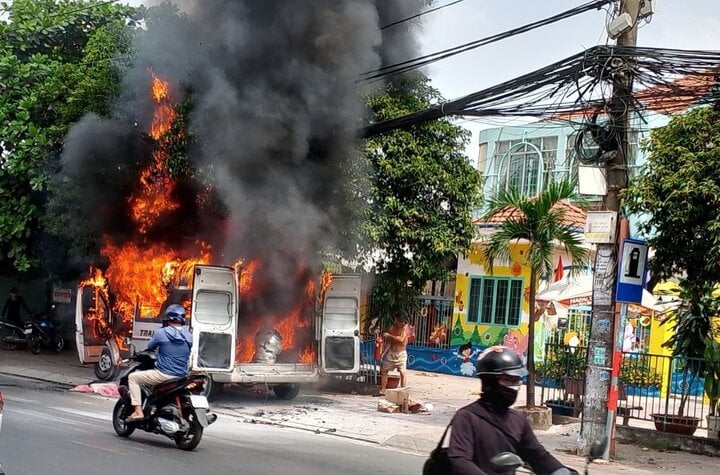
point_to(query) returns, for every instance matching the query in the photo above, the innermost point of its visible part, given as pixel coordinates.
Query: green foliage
(679, 188)
(421, 194)
(56, 63)
(562, 362)
(712, 375)
(636, 371)
(692, 321)
(542, 223)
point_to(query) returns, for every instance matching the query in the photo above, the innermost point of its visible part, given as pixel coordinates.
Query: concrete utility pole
(604, 317)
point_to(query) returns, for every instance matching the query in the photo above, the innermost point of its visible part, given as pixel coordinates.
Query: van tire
(286, 391)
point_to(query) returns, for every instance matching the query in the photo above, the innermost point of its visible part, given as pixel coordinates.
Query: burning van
(234, 342)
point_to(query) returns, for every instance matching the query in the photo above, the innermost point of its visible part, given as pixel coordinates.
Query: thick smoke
(275, 109)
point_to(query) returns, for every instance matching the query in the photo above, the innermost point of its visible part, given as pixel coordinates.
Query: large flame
(141, 273)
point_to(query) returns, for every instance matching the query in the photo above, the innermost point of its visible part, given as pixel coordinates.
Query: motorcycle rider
(173, 343)
(485, 428)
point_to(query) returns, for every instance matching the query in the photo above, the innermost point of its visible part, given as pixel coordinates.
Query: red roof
(574, 215)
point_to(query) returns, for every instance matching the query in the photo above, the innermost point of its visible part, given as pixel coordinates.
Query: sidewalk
(356, 417)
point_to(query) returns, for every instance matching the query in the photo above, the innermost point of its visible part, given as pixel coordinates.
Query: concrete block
(398, 396)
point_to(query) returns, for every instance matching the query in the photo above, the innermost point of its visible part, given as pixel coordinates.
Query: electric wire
(418, 15)
(415, 63)
(581, 87)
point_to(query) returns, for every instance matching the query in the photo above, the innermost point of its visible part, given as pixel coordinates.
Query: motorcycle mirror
(507, 461)
(598, 448)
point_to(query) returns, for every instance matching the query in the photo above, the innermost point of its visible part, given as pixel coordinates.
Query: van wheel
(286, 391)
(211, 389)
(105, 367)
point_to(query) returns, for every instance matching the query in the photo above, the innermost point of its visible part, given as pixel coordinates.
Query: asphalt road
(47, 430)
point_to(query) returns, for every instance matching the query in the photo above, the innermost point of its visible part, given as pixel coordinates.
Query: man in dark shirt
(12, 307)
(488, 426)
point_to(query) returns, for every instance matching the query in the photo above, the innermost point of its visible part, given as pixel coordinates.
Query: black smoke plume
(275, 107)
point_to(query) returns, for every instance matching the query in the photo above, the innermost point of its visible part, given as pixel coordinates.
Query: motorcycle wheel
(57, 343)
(120, 412)
(191, 438)
(5, 334)
(33, 342)
(105, 368)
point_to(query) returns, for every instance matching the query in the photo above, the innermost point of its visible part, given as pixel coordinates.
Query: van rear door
(214, 318)
(340, 325)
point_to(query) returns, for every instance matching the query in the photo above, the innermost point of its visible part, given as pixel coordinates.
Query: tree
(678, 190)
(57, 61)
(422, 192)
(542, 224)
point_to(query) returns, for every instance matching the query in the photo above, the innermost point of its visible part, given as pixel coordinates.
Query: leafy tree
(56, 63)
(422, 192)
(542, 224)
(679, 189)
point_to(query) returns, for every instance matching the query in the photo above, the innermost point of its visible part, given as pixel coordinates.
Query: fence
(651, 387)
(430, 323)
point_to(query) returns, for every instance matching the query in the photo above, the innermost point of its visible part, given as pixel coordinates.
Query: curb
(39, 379)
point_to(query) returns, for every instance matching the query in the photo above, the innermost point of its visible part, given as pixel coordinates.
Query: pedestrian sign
(631, 271)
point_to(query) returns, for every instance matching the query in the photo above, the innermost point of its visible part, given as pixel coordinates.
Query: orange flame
(140, 274)
(157, 186)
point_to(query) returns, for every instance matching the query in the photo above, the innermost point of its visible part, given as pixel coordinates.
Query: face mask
(501, 396)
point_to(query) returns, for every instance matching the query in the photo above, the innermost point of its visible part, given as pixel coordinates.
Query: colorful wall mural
(468, 339)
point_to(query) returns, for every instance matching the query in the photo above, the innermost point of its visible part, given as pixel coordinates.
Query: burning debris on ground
(231, 142)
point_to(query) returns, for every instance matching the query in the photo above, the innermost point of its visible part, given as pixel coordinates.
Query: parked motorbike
(44, 332)
(509, 462)
(13, 336)
(176, 409)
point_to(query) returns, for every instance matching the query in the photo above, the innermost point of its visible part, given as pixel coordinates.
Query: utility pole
(604, 320)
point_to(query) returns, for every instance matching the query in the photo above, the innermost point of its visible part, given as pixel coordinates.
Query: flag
(559, 271)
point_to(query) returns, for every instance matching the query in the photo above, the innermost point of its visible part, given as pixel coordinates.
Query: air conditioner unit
(620, 25)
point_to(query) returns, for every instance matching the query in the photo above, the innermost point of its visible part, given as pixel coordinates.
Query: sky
(679, 24)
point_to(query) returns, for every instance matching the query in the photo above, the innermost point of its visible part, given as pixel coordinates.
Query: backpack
(438, 463)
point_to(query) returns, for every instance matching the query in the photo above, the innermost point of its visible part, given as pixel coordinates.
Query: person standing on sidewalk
(485, 428)
(396, 357)
(173, 343)
(12, 307)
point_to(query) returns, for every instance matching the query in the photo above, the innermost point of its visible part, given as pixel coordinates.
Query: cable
(416, 63)
(420, 14)
(583, 84)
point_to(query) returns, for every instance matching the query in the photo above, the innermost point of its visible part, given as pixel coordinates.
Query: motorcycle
(12, 336)
(508, 462)
(44, 332)
(176, 409)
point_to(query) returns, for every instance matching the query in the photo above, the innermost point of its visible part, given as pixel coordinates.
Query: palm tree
(540, 222)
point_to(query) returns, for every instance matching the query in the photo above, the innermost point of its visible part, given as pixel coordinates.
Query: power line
(420, 14)
(418, 62)
(578, 87)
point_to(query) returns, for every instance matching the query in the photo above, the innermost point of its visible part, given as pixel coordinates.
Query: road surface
(47, 430)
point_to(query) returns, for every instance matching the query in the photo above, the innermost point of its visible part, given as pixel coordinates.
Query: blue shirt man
(173, 343)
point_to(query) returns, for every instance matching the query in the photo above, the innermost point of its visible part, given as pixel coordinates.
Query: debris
(103, 389)
(386, 406)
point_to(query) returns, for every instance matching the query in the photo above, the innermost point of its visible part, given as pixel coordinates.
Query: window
(495, 301)
(520, 165)
(213, 308)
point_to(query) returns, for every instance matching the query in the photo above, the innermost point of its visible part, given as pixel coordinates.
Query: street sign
(631, 271)
(600, 227)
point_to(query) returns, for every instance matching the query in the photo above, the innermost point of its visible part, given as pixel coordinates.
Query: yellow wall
(474, 265)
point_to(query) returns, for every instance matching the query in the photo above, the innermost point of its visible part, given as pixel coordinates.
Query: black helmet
(175, 313)
(499, 360)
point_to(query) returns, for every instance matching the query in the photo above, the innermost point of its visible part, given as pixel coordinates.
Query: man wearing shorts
(396, 357)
